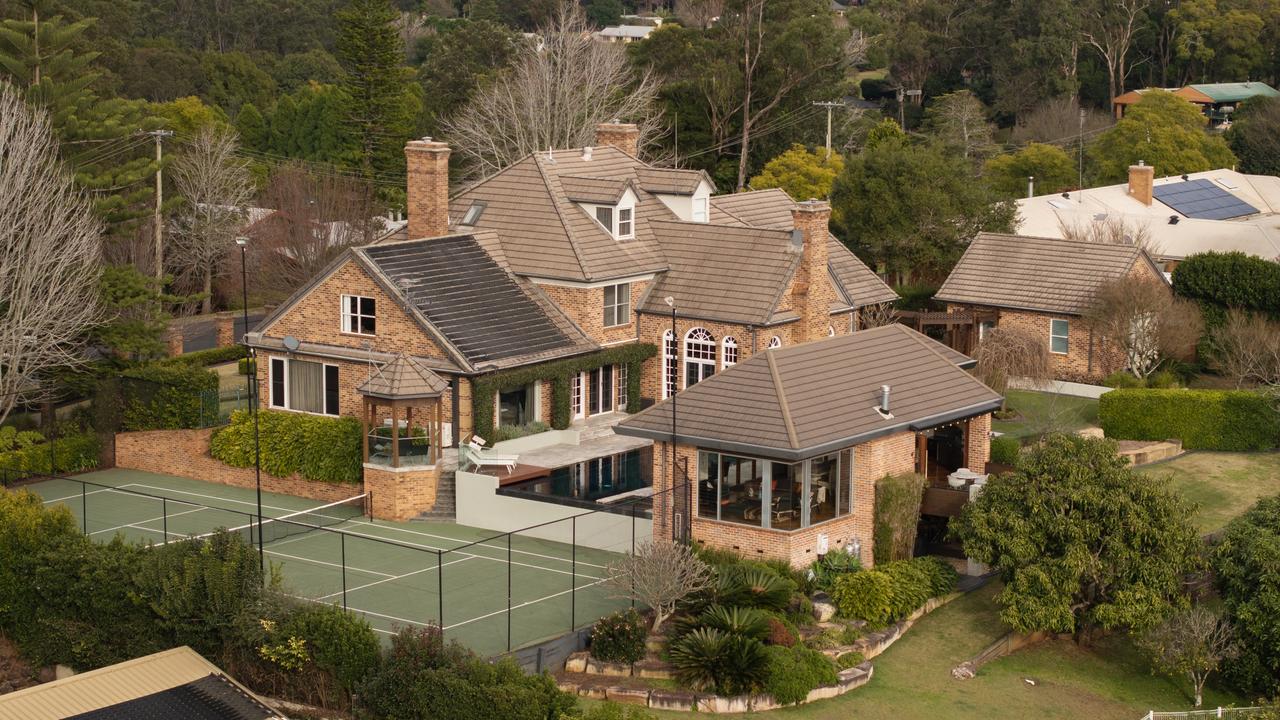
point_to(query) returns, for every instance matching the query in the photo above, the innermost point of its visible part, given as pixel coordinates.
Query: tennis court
(390, 572)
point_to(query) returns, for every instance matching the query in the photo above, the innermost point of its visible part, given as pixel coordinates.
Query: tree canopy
(1053, 170)
(1164, 131)
(801, 172)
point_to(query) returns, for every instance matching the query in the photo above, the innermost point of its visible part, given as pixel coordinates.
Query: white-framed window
(604, 216)
(699, 356)
(626, 223)
(303, 385)
(617, 304)
(775, 342)
(600, 389)
(668, 364)
(359, 315)
(700, 209)
(1058, 331)
(623, 395)
(729, 351)
(576, 399)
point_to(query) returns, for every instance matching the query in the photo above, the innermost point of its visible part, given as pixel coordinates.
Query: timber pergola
(401, 386)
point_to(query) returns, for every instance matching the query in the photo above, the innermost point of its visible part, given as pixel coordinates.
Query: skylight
(473, 214)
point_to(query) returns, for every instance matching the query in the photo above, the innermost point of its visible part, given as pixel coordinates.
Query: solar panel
(1202, 199)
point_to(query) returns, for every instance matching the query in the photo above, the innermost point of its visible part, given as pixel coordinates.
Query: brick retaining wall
(185, 453)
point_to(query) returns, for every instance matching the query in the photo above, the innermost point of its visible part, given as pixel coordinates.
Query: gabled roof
(479, 307)
(403, 379)
(546, 234)
(669, 181)
(818, 397)
(600, 191)
(1040, 274)
(1234, 92)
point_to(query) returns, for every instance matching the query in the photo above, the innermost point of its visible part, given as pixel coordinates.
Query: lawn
(913, 680)
(1040, 412)
(1222, 484)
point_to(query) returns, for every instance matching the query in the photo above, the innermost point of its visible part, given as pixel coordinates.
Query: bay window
(770, 494)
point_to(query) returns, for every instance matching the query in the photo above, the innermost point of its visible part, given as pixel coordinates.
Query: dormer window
(626, 223)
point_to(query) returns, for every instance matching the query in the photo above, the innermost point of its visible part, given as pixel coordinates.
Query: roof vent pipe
(586, 153)
(884, 398)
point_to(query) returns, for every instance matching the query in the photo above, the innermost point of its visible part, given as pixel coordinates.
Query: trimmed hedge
(169, 396)
(1230, 280)
(327, 449)
(245, 366)
(70, 454)
(559, 374)
(205, 358)
(1235, 420)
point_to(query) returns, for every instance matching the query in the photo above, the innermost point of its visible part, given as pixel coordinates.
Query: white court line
(404, 530)
(154, 519)
(393, 578)
(523, 604)
(78, 495)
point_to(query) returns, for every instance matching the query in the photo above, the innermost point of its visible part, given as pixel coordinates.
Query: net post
(573, 575)
(164, 513)
(342, 538)
(440, 591)
(509, 592)
(84, 510)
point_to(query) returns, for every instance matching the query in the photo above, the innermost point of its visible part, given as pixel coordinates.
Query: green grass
(912, 680)
(1040, 412)
(1222, 484)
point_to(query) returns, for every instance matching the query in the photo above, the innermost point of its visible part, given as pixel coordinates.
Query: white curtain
(306, 386)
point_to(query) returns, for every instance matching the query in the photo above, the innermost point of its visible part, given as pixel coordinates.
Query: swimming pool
(585, 484)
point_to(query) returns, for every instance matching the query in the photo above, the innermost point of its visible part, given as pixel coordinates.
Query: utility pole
(159, 136)
(902, 118)
(829, 106)
(1081, 152)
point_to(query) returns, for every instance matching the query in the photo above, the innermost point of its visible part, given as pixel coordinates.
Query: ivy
(559, 374)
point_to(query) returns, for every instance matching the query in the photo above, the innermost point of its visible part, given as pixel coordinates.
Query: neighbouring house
(1217, 100)
(564, 291)
(1045, 286)
(176, 683)
(624, 33)
(1215, 210)
(778, 456)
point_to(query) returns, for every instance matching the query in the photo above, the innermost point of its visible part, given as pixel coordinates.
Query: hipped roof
(810, 399)
(403, 379)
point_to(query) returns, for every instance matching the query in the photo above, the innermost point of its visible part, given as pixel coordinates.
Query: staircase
(446, 499)
(597, 426)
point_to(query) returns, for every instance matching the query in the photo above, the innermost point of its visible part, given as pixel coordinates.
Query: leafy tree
(603, 13)
(233, 79)
(802, 173)
(1244, 563)
(161, 72)
(188, 115)
(1041, 53)
(959, 121)
(1052, 169)
(1218, 41)
(380, 100)
(135, 317)
(1254, 136)
(1081, 540)
(1164, 131)
(283, 120)
(252, 128)
(461, 57)
(910, 208)
(297, 70)
(886, 130)
(314, 127)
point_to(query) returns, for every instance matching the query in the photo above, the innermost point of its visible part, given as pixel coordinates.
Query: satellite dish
(291, 343)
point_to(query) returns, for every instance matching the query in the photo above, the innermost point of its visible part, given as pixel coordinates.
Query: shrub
(848, 660)
(339, 642)
(866, 595)
(168, 396)
(1005, 450)
(1231, 279)
(11, 438)
(831, 566)
(849, 635)
(613, 711)
(511, 432)
(1233, 420)
(742, 621)
(327, 449)
(910, 586)
(753, 586)
(1122, 379)
(897, 515)
(711, 659)
(1164, 380)
(894, 590)
(205, 358)
(619, 637)
(246, 367)
(791, 673)
(1244, 564)
(781, 633)
(69, 454)
(942, 576)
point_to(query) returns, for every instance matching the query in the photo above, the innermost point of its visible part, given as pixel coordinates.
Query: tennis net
(297, 523)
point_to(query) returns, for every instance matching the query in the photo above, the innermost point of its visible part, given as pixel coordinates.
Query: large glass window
(358, 315)
(785, 496)
(600, 389)
(699, 356)
(782, 496)
(617, 304)
(517, 407)
(730, 488)
(1058, 331)
(304, 385)
(824, 486)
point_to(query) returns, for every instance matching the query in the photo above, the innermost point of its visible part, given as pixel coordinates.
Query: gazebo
(397, 389)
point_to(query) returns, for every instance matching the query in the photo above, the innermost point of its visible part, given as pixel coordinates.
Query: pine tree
(380, 101)
(37, 56)
(252, 128)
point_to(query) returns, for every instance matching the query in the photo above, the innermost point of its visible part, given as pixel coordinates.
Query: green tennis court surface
(393, 572)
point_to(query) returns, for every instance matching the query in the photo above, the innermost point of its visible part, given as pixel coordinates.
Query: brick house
(1045, 286)
(813, 427)
(540, 294)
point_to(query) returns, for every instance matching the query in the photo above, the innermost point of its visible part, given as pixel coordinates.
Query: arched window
(699, 356)
(831, 331)
(668, 364)
(729, 350)
(775, 342)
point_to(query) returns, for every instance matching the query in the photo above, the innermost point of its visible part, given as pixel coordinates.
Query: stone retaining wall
(185, 453)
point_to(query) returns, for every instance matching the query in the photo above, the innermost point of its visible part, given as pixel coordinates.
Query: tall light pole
(243, 242)
(675, 374)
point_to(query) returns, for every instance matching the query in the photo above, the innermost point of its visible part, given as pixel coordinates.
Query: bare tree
(1011, 352)
(216, 186)
(1145, 322)
(699, 13)
(318, 214)
(50, 247)
(1192, 644)
(1058, 121)
(1247, 348)
(1111, 230)
(1109, 27)
(959, 120)
(874, 316)
(659, 574)
(558, 89)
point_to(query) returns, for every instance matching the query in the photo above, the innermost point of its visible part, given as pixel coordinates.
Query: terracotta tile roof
(817, 397)
(668, 181)
(403, 379)
(1030, 273)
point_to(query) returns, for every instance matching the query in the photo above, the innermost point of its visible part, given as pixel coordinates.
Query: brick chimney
(428, 188)
(624, 136)
(811, 290)
(1142, 178)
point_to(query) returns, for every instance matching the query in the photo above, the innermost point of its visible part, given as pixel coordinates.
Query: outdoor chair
(479, 457)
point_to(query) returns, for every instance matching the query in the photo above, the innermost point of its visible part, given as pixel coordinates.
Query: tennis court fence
(1230, 713)
(492, 592)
